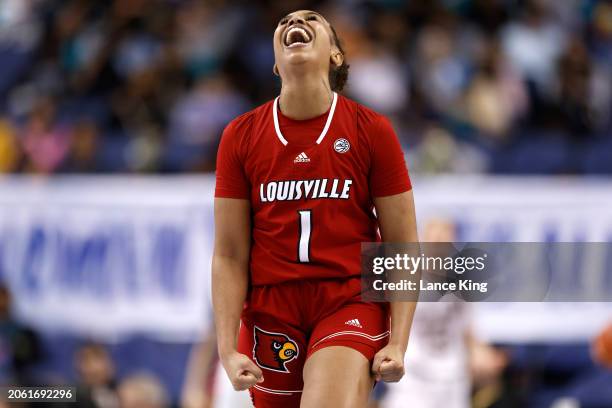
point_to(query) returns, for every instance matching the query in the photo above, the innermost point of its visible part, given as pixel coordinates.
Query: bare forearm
(229, 290)
(398, 224)
(401, 321)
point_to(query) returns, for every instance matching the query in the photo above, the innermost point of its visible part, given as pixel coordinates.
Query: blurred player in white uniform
(198, 392)
(437, 373)
(442, 356)
(224, 394)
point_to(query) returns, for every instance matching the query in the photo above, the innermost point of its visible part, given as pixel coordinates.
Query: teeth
(301, 31)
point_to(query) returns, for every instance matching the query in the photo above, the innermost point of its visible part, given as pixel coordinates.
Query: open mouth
(297, 36)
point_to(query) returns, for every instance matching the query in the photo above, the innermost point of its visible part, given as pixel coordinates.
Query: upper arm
(233, 228)
(232, 194)
(396, 217)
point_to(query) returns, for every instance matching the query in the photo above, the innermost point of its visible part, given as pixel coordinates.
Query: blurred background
(110, 117)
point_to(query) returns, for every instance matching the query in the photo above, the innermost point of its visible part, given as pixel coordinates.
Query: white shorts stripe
(378, 337)
(277, 392)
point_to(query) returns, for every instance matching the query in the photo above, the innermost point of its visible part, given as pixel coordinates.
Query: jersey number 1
(305, 231)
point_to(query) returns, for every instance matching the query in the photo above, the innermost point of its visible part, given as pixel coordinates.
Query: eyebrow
(310, 12)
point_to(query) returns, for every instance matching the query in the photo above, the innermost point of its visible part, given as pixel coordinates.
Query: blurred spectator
(496, 96)
(205, 35)
(96, 377)
(377, 77)
(582, 99)
(19, 346)
(601, 33)
(440, 152)
(142, 391)
(440, 74)
(45, 141)
(82, 155)
(534, 42)
(20, 31)
(198, 119)
(9, 148)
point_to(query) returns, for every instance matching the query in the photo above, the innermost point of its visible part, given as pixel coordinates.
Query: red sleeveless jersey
(311, 186)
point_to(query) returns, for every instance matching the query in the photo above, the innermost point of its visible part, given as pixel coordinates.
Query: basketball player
(444, 355)
(298, 180)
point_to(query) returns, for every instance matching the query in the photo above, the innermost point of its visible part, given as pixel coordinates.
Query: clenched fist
(242, 372)
(388, 364)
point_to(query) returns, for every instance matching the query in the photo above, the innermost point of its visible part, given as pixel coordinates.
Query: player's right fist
(242, 372)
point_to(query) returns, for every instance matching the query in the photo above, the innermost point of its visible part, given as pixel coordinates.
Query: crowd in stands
(506, 86)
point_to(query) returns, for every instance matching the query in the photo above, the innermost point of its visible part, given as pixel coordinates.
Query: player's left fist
(388, 365)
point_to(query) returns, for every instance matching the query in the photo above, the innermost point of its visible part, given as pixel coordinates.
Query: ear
(275, 70)
(336, 58)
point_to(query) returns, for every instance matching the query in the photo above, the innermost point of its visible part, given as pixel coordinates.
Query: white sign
(109, 256)
(115, 255)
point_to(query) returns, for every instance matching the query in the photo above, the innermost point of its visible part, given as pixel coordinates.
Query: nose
(296, 20)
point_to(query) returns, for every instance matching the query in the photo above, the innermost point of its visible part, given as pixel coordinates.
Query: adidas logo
(302, 158)
(354, 322)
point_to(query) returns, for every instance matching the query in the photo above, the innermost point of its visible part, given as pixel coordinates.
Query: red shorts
(282, 325)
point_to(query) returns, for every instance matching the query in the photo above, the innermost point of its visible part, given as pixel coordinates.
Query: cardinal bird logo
(273, 350)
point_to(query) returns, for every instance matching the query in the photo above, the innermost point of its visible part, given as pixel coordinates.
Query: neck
(305, 98)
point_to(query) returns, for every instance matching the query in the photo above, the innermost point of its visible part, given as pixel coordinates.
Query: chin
(301, 56)
(299, 59)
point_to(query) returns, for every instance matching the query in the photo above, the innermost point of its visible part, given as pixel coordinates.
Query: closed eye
(311, 17)
(283, 21)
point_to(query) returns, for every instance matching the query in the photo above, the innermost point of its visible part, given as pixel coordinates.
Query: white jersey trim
(325, 129)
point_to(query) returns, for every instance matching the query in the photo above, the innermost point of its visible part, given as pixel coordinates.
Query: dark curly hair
(338, 75)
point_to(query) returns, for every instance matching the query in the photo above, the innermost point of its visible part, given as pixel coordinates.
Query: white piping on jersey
(353, 333)
(325, 129)
(278, 392)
